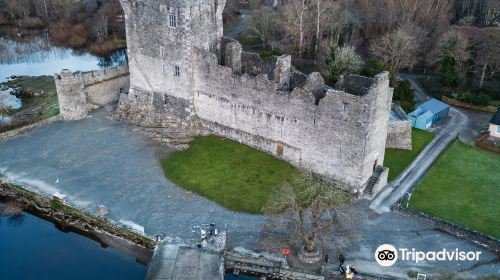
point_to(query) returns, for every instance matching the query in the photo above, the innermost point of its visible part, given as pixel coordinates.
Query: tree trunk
(482, 76)
(301, 32)
(46, 9)
(310, 245)
(318, 17)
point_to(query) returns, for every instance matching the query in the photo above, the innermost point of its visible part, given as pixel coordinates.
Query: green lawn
(236, 176)
(397, 160)
(463, 187)
(49, 104)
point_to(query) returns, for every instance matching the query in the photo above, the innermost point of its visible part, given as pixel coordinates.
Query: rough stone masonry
(186, 79)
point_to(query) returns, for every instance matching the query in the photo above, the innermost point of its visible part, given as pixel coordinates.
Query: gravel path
(100, 161)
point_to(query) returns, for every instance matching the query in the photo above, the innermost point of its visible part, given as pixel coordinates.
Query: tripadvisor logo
(387, 255)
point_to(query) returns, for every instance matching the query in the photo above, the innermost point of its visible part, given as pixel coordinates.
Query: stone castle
(186, 79)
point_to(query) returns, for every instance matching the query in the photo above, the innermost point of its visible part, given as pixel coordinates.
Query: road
(445, 133)
(245, 19)
(411, 175)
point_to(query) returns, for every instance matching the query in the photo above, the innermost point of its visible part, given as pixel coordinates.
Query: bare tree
(452, 44)
(296, 13)
(488, 53)
(322, 6)
(101, 27)
(264, 25)
(43, 8)
(308, 209)
(18, 8)
(398, 49)
(382, 16)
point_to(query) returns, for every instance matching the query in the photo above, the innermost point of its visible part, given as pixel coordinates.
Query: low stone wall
(75, 220)
(382, 180)
(482, 143)
(459, 231)
(80, 92)
(399, 135)
(14, 132)
(491, 109)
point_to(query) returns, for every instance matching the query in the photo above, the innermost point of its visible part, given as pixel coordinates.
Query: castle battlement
(187, 79)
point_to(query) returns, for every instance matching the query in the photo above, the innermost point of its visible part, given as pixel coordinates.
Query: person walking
(341, 259)
(326, 258)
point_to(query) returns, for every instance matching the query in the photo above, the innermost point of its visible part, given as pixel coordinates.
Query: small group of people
(348, 272)
(203, 233)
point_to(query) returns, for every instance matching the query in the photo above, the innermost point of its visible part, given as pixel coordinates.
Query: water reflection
(31, 248)
(37, 56)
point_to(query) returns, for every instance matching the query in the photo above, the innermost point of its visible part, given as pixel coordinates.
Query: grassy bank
(236, 176)
(34, 108)
(463, 187)
(397, 160)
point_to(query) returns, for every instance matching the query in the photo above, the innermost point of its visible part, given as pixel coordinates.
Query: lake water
(31, 248)
(38, 57)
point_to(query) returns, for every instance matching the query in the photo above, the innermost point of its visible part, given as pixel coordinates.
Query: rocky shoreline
(67, 218)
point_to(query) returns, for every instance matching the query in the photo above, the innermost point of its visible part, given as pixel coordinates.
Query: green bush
(267, 54)
(56, 204)
(373, 67)
(404, 95)
(450, 76)
(474, 98)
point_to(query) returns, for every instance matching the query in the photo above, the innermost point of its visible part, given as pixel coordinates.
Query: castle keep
(187, 79)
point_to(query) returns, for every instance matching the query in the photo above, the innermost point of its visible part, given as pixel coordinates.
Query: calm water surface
(38, 57)
(31, 248)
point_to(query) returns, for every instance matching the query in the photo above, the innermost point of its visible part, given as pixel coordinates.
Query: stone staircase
(372, 181)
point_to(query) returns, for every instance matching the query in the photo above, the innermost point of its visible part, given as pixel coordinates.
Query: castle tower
(163, 37)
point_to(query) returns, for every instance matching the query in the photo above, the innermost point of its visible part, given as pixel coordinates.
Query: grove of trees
(89, 24)
(456, 39)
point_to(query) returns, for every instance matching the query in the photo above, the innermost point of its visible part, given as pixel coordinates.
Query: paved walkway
(445, 134)
(404, 232)
(174, 262)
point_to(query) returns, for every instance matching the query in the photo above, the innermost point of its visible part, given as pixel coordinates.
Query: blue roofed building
(429, 113)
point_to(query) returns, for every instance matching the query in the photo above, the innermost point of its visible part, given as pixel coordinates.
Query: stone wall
(399, 135)
(340, 138)
(262, 103)
(399, 130)
(80, 92)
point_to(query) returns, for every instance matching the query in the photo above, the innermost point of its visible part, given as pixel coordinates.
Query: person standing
(326, 258)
